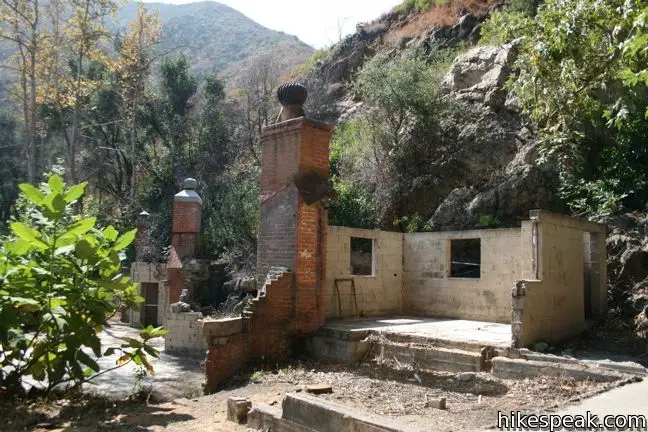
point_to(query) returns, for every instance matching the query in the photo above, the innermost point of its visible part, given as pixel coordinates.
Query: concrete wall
(429, 289)
(552, 307)
(185, 333)
(144, 272)
(379, 294)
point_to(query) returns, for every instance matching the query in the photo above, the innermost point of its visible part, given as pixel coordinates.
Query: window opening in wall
(362, 256)
(465, 258)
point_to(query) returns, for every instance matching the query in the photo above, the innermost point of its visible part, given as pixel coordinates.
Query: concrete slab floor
(443, 329)
(175, 376)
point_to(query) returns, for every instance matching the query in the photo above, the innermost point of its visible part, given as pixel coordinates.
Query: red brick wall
(280, 160)
(225, 360)
(269, 327)
(277, 236)
(175, 277)
(184, 243)
(291, 235)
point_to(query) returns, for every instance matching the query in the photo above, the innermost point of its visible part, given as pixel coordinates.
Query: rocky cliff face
(508, 176)
(494, 174)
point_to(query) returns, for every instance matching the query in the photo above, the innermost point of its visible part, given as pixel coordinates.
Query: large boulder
(506, 175)
(479, 75)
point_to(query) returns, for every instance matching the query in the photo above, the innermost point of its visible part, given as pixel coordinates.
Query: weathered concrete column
(187, 212)
(292, 231)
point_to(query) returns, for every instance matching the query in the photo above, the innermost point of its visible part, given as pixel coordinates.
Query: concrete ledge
(519, 369)
(264, 417)
(324, 416)
(566, 221)
(625, 367)
(332, 349)
(434, 358)
(221, 328)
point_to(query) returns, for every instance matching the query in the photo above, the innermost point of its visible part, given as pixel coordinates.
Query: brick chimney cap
(190, 183)
(188, 192)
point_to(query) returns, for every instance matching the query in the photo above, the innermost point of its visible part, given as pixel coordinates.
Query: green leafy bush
(60, 282)
(384, 156)
(311, 62)
(582, 77)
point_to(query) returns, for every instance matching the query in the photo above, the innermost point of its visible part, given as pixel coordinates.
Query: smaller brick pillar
(187, 212)
(143, 239)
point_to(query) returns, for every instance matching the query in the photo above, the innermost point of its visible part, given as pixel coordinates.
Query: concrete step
(431, 358)
(423, 357)
(306, 413)
(359, 335)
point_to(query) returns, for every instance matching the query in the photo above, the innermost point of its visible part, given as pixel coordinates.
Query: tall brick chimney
(293, 223)
(187, 212)
(291, 246)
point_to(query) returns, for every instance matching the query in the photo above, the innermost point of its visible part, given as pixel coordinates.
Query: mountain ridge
(218, 38)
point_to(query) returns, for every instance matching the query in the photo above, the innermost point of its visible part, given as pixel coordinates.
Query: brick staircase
(253, 306)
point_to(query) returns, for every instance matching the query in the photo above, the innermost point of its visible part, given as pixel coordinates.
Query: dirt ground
(471, 404)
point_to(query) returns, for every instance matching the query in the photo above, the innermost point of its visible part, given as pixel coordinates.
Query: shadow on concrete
(611, 339)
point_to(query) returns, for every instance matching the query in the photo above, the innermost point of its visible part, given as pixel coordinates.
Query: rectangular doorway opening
(150, 305)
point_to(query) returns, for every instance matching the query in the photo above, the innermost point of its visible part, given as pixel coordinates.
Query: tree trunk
(33, 161)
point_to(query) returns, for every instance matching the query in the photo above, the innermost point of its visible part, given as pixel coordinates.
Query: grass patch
(419, 5)
(257, 376)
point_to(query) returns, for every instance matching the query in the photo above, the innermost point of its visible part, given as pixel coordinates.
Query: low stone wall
(301, 412)
(185, 333)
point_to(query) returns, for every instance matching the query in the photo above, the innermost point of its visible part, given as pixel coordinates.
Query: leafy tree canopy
(60, 282)
(582, 77)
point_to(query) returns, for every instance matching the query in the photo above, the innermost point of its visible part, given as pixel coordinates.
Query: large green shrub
(379, 155)
(60, 281)
(582, 77)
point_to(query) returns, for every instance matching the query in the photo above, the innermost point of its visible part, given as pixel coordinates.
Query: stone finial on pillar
(185, 231)
(292, 98)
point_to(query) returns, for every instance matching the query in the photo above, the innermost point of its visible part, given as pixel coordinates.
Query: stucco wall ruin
(551, 307)
(429, 290)
(379, 294)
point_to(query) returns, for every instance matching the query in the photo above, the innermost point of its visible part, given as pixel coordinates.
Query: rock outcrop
(492, 174)
(627, 246)
(508, 176)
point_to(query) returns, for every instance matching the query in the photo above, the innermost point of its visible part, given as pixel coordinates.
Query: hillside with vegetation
(467, 114)
(453, 114)
(173, 91)
(217, 38)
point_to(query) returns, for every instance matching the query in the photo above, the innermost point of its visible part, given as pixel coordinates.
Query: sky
(319, 23)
